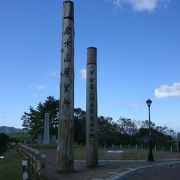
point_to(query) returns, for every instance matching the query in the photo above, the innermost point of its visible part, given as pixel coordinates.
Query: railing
(140, 146)
(33, 163)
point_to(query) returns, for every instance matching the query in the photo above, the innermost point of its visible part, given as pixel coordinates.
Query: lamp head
(148, 102)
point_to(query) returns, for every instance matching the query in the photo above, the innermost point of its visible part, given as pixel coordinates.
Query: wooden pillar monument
(91, 108)
(65, 146)
(46, 129)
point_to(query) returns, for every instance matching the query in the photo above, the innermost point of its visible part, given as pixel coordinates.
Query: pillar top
(46, 114)
(91, 55)
(68, 2)
(92, 47)
(68, 12)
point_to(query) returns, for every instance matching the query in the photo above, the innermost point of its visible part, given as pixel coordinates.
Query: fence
(141, 146)
(33, 163)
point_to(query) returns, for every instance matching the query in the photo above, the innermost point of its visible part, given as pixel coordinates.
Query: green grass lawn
(22, 137)
(11, 166)
(127, 154)
(80, 152)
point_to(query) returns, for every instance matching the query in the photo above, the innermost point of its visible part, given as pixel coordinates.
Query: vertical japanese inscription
(67, 67)
(66, 108)
(92, 92)
(91, 109)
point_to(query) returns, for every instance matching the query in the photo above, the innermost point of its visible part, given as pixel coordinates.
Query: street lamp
(150, 154)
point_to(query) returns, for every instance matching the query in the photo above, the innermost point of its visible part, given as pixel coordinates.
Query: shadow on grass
(11, 166)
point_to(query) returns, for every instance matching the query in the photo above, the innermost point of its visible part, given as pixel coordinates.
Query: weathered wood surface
(178, 142)
(35, 158)
(46, 129)
(65, 147)
(91, 109)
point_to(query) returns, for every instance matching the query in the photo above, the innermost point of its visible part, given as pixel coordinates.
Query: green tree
(161, 136)
(34, 119)
(124, 131)
(79, 126)
(4, 139)
(108, 131)
(127, 126)
(145, 124)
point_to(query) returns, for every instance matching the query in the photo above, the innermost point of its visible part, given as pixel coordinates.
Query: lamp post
(150, 154)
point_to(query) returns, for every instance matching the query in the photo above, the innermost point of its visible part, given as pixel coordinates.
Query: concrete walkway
(112, 170)
(164, 171)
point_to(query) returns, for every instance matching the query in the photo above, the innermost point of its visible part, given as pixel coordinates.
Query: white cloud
(165, 91)
(36, 86)
(135, 106)
(142, 5)
(132, 106)
(37, 95)
(53, 74)
(83, 73)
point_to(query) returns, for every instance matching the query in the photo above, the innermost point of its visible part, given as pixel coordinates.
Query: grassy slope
(10, 167)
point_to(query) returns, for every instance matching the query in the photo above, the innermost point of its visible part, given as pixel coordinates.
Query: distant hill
(10, 130)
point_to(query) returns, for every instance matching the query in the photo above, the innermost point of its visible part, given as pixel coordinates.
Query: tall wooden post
(66, 123)
(178, 142)
(46, 129)
(91, 108)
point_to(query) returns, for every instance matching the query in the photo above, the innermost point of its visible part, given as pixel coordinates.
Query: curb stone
(129, 173)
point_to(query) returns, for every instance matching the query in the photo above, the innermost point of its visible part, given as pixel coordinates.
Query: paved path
(107, 170)
(113, 169)
(169, 171)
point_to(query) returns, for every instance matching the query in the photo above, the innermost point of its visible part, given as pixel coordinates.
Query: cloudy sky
(138, 44)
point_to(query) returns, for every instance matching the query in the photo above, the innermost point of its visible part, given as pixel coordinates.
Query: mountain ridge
(10, 130)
